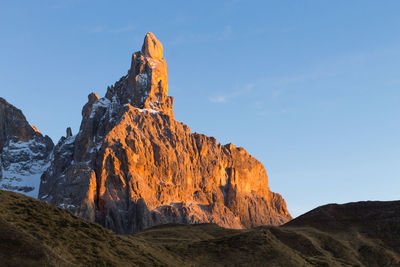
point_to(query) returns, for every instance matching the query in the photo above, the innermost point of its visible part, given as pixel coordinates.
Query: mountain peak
(152, 47)
(132, 165)
(146, 85)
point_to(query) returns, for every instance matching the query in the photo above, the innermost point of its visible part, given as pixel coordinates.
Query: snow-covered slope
(24, 152)
(22, 164)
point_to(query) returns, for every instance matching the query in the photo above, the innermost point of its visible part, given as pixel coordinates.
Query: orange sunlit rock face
(133, 166)
(152, 47)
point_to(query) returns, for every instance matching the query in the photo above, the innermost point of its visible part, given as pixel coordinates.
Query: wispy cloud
(296, 78)
(226, 34)
(272, 95)
(223, 98)
(275, 86)
(218, 99)
(97, 29)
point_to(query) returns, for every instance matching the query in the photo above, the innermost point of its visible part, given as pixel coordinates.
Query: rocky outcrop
(24, 152)
(146, 85)
(132, 165)
(152, 47)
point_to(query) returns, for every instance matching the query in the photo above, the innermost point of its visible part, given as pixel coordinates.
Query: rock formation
(132, 165)
(24, 152)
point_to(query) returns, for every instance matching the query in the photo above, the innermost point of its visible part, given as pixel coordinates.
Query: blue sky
(310, 88)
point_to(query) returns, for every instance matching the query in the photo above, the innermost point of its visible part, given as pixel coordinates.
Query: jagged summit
(146, 84)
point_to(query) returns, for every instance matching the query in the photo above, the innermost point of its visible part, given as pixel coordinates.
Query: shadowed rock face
(133, 166)
(24, 151)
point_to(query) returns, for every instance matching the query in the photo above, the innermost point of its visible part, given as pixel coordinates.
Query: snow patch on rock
(22, 166)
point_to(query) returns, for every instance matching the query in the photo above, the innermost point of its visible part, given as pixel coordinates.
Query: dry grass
(33, 233)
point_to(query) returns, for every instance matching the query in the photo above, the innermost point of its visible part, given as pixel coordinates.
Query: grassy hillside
(33, 233)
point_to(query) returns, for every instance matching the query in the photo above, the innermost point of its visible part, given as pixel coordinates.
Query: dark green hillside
(33, 233)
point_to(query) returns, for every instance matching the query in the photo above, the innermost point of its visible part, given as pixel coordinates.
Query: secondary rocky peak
(93, 97)
(13, 125)
(69, 132)
(24, 151)
(87, 108)
(152, 47)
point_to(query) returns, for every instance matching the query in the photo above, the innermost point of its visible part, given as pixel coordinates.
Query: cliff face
(24, 152)
(132, 165)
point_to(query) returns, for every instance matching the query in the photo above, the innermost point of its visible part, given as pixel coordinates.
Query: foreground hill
(34, 233)
(132, 165)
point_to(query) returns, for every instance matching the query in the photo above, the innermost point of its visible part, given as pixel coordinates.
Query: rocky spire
(69, 132)
(152, 47)
(146, 85)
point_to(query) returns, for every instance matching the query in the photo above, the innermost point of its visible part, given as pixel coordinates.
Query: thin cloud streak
(223, 98)
(217, 99)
